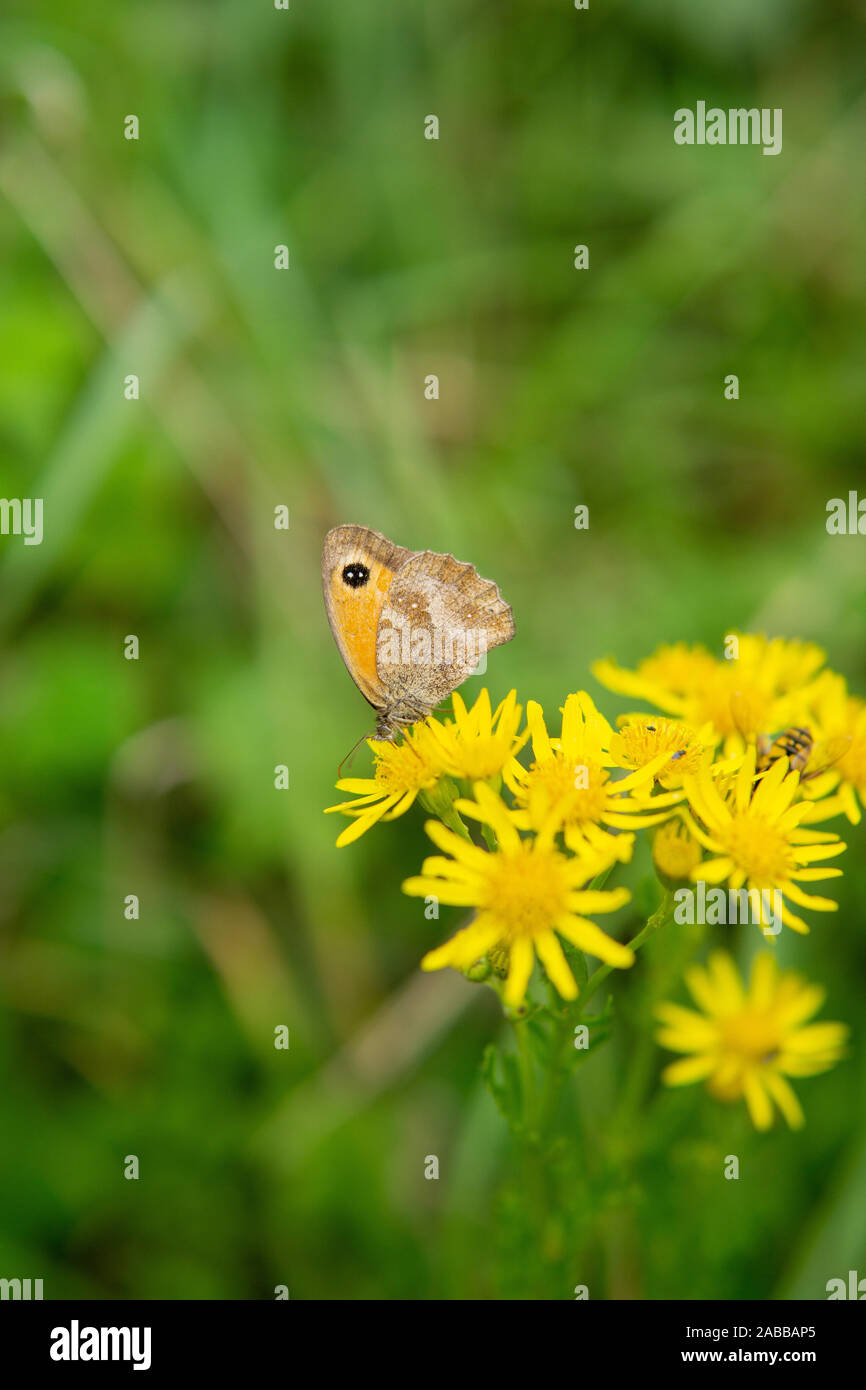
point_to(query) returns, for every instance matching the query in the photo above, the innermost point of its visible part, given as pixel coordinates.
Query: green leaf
(505, 1086)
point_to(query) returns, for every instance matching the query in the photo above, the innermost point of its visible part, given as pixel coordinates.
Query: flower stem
(663, 914)
(556, 1074)
(634, 1092)
(527, 1078)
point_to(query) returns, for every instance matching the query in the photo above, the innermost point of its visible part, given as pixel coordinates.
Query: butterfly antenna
(351, 753)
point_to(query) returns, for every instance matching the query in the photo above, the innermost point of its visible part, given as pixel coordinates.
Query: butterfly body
(410, 625)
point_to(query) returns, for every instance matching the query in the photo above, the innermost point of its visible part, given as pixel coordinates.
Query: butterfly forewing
(357, 570)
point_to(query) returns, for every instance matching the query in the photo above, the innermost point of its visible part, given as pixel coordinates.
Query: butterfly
(410, 625)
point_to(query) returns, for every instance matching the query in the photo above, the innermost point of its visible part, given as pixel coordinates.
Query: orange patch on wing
(357, 613)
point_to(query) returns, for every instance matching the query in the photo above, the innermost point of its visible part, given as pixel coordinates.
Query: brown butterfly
(411, 625)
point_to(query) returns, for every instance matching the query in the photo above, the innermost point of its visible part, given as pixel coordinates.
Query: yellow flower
(478, 742)
(525, 892)
(402, 771)
(642, 737)
(754, 837)
(569, 781)
(663, 679)
(745, 1043)
(769, 685)
(841, 719)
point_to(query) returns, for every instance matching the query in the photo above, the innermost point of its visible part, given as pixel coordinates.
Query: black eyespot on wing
(355, 575)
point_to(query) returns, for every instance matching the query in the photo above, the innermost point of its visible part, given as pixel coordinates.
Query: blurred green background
(306, 388)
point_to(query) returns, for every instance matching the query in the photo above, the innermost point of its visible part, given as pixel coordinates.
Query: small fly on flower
(802, 753)
(796, 745)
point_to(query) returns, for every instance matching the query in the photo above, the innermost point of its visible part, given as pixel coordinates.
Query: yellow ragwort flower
(840, 719)
(525, 892)
(570, 783)
(769, 685)
(402, 771)
(744, 1043)
(664, 679)
(643, 737)
(477, 743)
(754, 837)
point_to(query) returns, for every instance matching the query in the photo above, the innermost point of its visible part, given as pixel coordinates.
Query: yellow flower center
(747, 1040)
(759, 848)
(527, 891)
(753, 1036)
(576, 789)
(641, 740)
(403, 768)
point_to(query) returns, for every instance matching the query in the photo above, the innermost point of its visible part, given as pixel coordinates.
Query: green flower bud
(478, 972)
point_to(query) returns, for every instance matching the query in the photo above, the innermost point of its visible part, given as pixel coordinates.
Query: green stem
(535, 1179)
(601, 879)
(556, 1074)
(640, 1072)
(527, 1078)
(663, 914)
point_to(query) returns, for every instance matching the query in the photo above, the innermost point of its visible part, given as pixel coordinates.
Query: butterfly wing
(358, 567)
(438, 620)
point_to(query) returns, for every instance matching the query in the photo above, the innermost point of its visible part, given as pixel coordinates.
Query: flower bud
(478, 972)
(675, 852)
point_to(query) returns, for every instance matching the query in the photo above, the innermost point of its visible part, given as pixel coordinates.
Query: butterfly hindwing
(438, 620)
